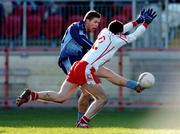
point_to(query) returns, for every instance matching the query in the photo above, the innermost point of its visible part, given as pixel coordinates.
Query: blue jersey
(75, 42)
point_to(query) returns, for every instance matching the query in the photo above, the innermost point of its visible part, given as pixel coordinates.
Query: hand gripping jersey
(101, 52)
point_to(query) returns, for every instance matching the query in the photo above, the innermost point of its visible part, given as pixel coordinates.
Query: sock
(131, 84)
(34, 96)
(79, 116)
(84, 120)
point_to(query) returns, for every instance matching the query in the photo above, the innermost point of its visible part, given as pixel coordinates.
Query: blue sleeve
(82, 40)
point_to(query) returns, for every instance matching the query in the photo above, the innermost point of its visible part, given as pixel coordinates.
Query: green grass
(62, 121)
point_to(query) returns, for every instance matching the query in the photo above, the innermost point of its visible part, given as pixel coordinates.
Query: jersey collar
(82, 26)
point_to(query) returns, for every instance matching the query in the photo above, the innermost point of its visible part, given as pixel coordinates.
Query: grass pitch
(62, 121)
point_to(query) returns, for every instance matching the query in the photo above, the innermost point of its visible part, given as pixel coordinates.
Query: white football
(146, 80)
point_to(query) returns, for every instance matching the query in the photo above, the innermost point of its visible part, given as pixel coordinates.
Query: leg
(103, 72)
(99, 96)
(111, 76)
(100, 100)
(118, 80)
(83, 103)
(66, 91)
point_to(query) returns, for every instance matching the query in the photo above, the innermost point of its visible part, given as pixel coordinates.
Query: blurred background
(30, 36)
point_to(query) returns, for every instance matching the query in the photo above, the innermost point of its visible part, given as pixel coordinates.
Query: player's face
(92, 25)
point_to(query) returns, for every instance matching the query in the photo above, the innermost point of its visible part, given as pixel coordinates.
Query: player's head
(115, 26)
(92, 20)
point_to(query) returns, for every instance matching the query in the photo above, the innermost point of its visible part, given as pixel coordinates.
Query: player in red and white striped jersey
(84, 72)
(108, 43)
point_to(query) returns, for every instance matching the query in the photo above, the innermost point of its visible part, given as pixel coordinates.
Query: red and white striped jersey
(108, 43)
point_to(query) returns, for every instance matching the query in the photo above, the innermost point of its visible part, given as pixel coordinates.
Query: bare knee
(103, 100)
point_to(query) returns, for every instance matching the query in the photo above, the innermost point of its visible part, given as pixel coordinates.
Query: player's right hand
(149, 15)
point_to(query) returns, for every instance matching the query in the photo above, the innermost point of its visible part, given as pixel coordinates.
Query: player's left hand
(140, 18)
(149, 15)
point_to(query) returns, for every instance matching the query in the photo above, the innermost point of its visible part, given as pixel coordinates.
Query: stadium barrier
(163, 63)
(37, 68)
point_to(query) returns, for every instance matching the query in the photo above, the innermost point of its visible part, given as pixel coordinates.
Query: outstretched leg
(66, 91)
(118, 80)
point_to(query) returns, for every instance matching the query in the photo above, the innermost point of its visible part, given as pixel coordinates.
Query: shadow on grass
(2, 131)
(62, 117)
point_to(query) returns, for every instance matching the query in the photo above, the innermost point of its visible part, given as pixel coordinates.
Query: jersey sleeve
(129, 26)
(138, 32)
(81, 39)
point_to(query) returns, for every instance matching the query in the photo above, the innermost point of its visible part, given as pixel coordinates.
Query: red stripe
(104, 54)
(123, 39)
(134, 23)
(34, 96)
(86, 119)
(145, 24)
(101, 54)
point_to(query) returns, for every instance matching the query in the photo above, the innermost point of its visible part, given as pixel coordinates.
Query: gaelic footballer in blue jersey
(75, 42)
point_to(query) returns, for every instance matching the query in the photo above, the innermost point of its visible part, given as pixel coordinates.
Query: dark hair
(92, 14)
(115, 26)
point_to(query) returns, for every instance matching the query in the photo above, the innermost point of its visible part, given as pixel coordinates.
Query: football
(146, 80)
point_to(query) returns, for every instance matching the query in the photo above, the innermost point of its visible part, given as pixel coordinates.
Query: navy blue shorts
(66, 63)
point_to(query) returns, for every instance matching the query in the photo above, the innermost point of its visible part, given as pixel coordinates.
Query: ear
(87, 20)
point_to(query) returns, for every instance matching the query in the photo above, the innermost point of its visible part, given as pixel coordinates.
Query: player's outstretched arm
(140, 19)
(148, 18)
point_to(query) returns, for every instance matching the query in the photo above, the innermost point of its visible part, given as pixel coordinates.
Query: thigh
(108, 74)
(67, 90)
(104, 72)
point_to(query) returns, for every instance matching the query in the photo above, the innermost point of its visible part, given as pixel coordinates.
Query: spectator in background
(7, 8)
(1, 13)
(51, 9)
(33, 5)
